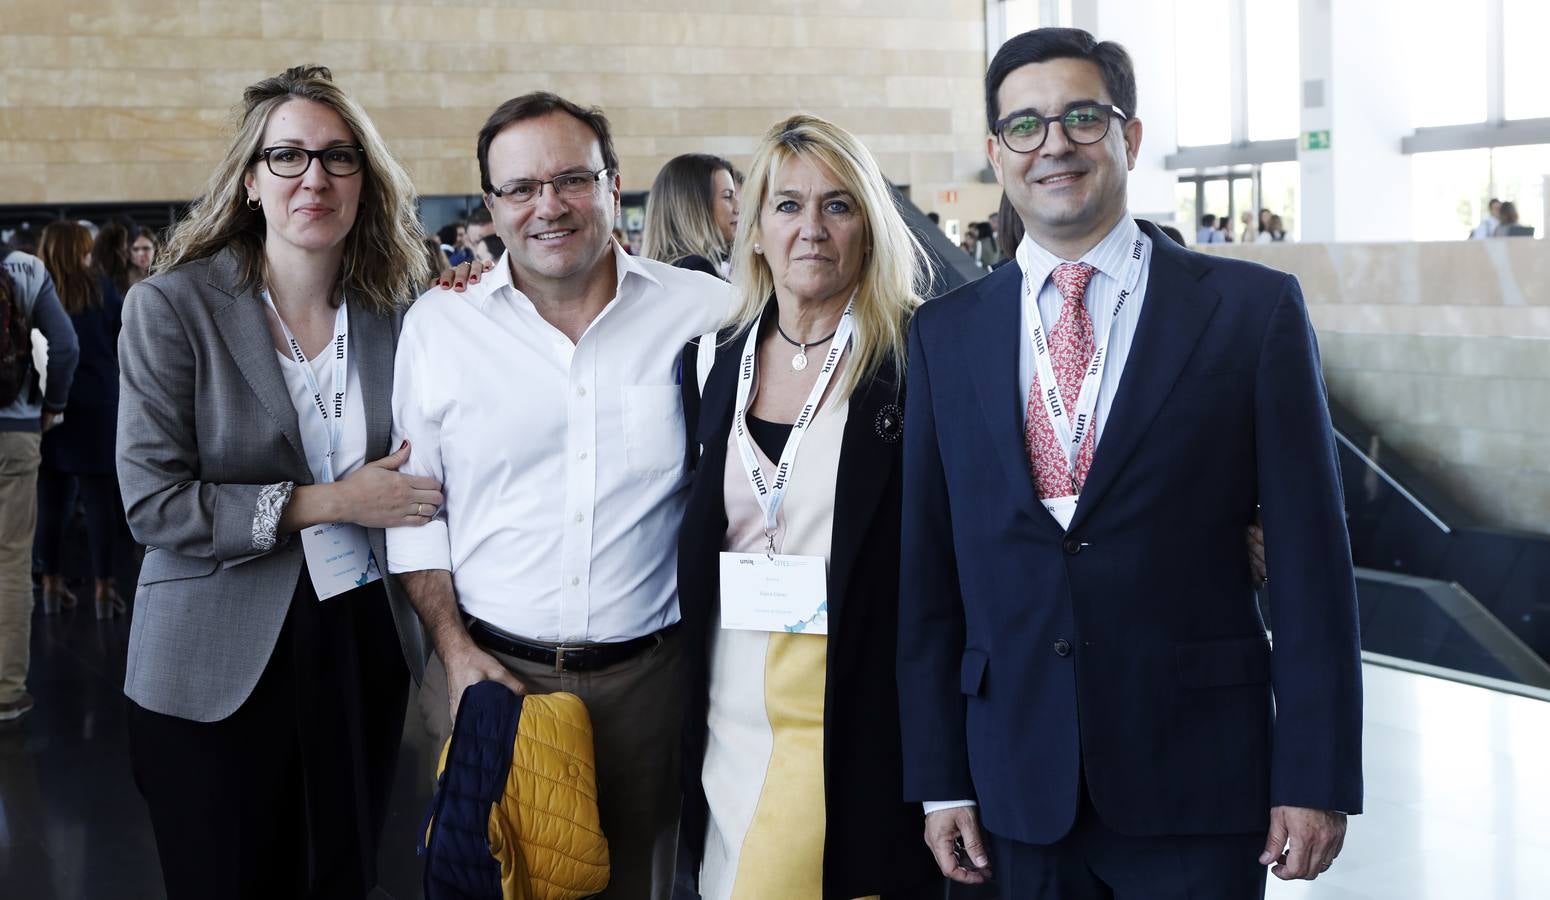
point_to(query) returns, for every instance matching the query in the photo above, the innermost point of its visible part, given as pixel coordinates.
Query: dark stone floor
(72, 824)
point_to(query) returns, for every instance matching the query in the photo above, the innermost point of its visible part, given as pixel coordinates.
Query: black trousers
(56, 504)
(1095, 862)
(287, 797)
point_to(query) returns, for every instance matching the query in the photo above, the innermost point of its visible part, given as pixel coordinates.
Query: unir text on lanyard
(770, 493)
(1071, 426)
(333, 415)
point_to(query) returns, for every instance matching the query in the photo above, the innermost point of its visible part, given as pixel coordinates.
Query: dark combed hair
(1045, 44)
(531, 106)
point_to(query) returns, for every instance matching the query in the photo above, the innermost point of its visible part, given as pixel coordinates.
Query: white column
(1146, 31)
(1353, 88)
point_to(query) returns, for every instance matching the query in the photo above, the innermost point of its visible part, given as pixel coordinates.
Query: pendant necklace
(799, 360)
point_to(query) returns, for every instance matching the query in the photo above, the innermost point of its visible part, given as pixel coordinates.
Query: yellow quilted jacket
(545, 831)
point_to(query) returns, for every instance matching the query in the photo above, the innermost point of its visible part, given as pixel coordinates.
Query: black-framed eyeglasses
(568, 184)
(1025, 131)
(292, 162)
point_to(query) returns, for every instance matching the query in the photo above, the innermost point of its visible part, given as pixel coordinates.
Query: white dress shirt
(562, 464)
(1108, 257)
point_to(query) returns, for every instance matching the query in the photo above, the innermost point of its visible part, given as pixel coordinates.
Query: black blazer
(872, 841)
(700, 264)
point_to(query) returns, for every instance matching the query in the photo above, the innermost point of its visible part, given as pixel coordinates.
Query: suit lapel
(1175, 313)
(371, 346)
(244, 328)
(869, 454)
(991, 344)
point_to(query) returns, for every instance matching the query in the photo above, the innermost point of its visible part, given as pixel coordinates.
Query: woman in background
(78, 453)
(110, 253)
(142, 254)
(691, 214)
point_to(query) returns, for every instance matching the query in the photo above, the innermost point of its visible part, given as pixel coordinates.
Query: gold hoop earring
(254, 203)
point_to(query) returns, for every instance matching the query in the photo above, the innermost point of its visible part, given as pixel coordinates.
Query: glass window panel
(1204, 100)
(1280, 191)
(1186, 220)
(1525, 23)
(1273, 79)
(1445, 59)
(1518, 174)
(1242, 201)
(1216, 198)
(1448, 193)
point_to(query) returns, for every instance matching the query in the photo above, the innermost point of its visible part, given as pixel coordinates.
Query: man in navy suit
(1083, 670)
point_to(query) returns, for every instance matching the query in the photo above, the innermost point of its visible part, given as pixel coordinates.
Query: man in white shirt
(544, 399)
(1489, 224)
(1085, 682)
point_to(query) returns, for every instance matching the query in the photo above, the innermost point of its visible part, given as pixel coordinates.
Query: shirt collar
(1107, 256)
(625, 265)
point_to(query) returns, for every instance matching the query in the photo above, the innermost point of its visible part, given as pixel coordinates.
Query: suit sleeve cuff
(932, 806)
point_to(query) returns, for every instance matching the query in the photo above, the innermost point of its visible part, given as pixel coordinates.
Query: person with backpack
(27, 409)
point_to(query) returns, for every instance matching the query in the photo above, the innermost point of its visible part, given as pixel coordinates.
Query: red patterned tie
(1071, 347)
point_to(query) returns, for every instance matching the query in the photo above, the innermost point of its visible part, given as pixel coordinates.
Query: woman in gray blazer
(269, 655)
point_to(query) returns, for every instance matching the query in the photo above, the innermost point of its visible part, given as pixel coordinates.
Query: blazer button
(1062, 647)
(1072, 546)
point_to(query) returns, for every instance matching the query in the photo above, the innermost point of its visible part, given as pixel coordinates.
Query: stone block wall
(131, 100)
(1444, 350)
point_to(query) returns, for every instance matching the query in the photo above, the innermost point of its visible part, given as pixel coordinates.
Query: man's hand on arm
(1303, 843)
(967, 863)
(430, 590)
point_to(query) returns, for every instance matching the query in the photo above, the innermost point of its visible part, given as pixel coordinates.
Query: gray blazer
(206, 423)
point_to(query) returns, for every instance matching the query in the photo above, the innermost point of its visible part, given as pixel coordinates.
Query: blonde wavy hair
(894, 273)
(384, 262)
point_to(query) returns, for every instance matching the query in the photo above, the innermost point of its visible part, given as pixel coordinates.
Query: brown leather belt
(565, 657)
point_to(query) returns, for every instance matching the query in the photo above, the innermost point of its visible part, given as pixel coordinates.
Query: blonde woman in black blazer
(817, 227)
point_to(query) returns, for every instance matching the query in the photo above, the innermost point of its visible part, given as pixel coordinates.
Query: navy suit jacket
(1130, 651)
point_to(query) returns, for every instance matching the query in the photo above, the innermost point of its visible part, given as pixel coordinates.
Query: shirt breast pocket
(653, 430)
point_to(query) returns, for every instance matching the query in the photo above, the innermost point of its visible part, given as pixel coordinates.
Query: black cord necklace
(799, 361)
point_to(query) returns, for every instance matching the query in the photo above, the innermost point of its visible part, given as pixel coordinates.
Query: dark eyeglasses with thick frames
(570, 184)
(1025, 131)
(293, 162)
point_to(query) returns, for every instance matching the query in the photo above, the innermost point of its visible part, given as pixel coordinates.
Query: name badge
(1062, 508)
(339, 558)
(786, 594)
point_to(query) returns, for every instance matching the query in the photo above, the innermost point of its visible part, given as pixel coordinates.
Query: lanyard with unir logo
(770, 493)
(333, 414)
(1072, 425)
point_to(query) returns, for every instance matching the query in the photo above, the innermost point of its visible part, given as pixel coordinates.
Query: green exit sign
(1315, 140)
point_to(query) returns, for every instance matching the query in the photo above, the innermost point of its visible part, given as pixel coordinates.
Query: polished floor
(1458, 789)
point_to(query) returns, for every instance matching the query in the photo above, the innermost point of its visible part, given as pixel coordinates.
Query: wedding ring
(419, 509)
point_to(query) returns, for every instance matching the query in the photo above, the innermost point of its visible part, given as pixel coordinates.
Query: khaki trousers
(637, 709)
(19, 458)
